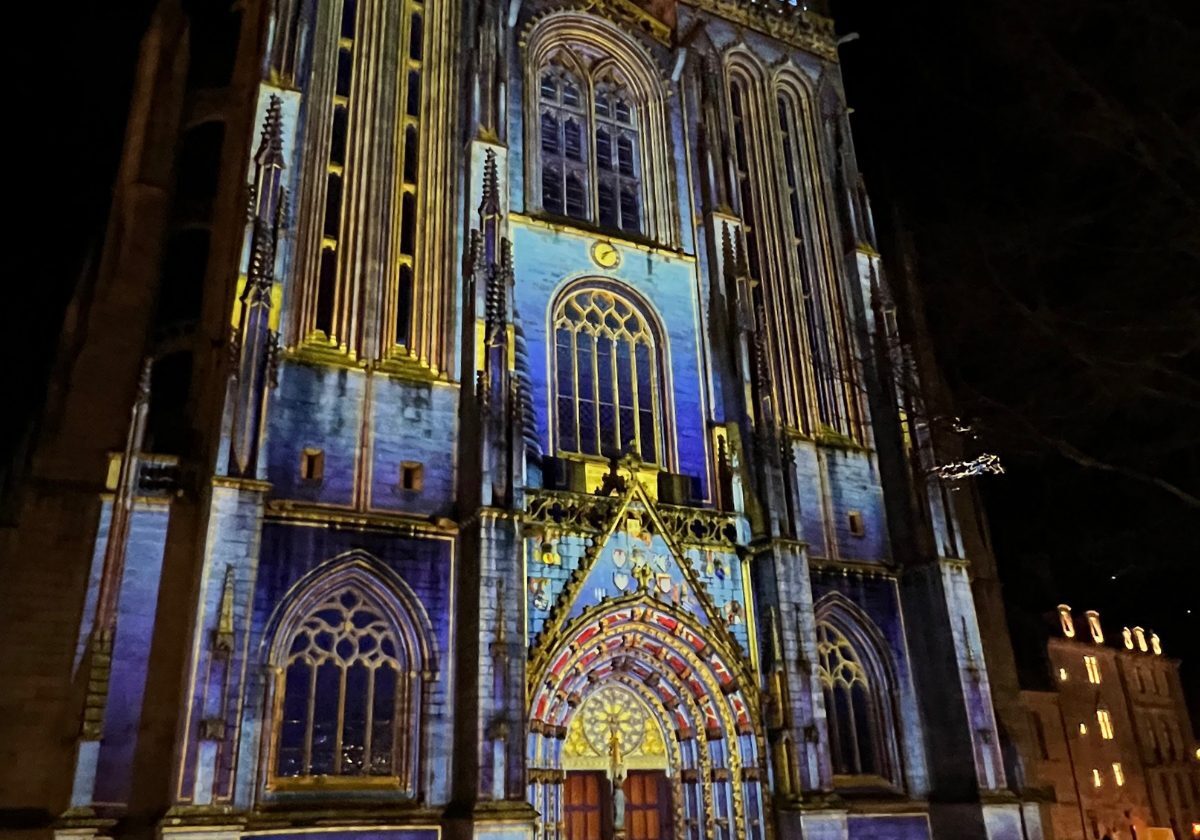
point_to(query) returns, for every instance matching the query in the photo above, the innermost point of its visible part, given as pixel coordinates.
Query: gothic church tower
(490, 419)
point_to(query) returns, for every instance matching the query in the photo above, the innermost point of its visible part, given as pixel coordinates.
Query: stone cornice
(779, 19)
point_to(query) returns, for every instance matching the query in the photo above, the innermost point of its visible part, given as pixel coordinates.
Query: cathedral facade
(492, 419)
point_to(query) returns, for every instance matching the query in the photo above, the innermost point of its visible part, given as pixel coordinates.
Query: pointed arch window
(562, 131)
(855, 708)
(608, 377)
(619, 187)
(589, 154)
(348, 696)
(820, 347)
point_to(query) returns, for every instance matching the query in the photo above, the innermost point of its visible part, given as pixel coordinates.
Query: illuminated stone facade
(1113, 738)
(527, 411)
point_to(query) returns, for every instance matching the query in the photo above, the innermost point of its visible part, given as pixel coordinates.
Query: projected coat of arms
(636, 553)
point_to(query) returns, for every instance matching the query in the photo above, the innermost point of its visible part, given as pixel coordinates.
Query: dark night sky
(1045, 157)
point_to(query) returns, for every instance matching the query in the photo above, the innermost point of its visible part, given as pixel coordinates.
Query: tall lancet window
(563, 140)
(326, 298)
(410, 119)
(738, 107)
(350, 690)
(590, 158)
(608, 377)
(618, 179)
(360, 209)
(852, 707)
(815, 316)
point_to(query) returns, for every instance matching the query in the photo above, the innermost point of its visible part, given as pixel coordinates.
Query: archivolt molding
(586, 28)
(634, 616)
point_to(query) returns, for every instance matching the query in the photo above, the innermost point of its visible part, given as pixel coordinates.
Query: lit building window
(1093, 669)
(1093, 619)
(1140, 635)
(563, 142)
(1063, 675)
(1097, 778)
(1106, 727)
(1082, 728)
(1118, 773)
(1127, 637)
(857, 737)
(618, 167)
(609, 380)
(575, 155)
(347, 702)
(1068, 623)
(1156, 644)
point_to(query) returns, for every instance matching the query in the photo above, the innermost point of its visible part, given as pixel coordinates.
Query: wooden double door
(588, 809)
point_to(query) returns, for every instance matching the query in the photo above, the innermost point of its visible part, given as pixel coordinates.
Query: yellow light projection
(614, 726)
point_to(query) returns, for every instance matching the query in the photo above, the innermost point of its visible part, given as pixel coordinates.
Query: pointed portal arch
(695, 688)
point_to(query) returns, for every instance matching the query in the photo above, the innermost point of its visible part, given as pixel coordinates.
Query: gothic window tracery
(854, 707)
(782, 190)
(815, 315)
(563, 139)
(619, 188)
(589, 152)
(348, 698)
(609, 377)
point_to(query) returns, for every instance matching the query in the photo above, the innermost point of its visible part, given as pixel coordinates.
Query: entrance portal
(638, 697)
(588, 806)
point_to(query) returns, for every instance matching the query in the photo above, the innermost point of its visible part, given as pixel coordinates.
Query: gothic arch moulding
(616, 314)
(686, 686)
(854, 659)
(598, 49)
(353, 662)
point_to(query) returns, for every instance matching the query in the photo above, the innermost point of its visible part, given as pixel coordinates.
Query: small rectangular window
(1093, 669)
(1118, 774)
(337, 137)
(312, 464)
(408, 224)
(326, 289)
(1105, 721)
(858, 525)
(1097, 778)
(412, 476)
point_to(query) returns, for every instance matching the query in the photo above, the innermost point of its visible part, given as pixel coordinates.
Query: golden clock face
(606, 255)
